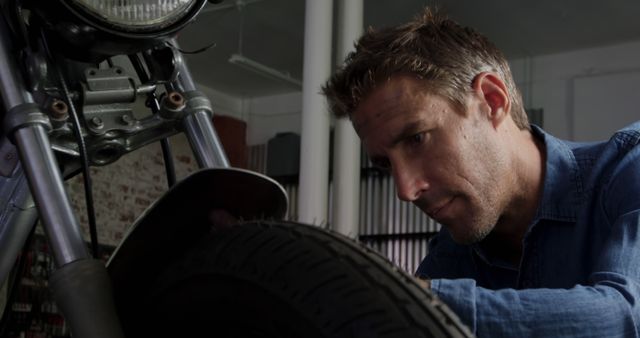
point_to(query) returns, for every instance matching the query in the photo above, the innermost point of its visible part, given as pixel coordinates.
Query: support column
(346, 159)
(314, 147)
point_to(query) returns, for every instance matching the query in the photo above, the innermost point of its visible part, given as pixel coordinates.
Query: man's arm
(608, 305)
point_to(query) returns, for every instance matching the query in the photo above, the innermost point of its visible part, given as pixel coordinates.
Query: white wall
(222, 103)
(272, 114)
(581, 87)
(265, 116)
(577, 90)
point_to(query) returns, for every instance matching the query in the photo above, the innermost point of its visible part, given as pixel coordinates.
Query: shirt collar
(561, 191)
(562, 180)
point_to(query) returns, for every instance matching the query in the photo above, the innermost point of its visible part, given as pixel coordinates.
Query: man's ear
(494, 94)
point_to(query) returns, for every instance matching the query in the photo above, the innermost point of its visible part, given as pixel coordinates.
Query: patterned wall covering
(124, 189)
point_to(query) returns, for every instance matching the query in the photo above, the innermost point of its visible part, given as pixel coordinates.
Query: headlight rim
(93, 20)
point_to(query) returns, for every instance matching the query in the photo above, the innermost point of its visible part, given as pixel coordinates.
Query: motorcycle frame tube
(39, 163)
(14, 228)
(198, 125)
(12, 94)
(47, 187)
(204, 140)
(63, 230)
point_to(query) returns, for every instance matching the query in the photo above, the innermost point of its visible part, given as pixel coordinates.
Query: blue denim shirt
(580, 271)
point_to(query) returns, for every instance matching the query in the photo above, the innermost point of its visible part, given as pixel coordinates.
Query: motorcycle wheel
(279, 279)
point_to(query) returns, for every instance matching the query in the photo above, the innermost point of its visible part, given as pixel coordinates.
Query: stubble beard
(486, 202)
(473, 229)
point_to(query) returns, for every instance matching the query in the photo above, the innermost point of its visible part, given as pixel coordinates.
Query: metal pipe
(49, 193)
(184, 81)
(314, 147)
(346, 158)
(27, 127)
(13, 91)
(204, 140)
(40, 164)
(198, 125)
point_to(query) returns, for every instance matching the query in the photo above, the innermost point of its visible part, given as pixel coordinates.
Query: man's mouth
(433, 212)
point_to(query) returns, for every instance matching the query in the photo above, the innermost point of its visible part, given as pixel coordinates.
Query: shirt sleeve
(607, 306)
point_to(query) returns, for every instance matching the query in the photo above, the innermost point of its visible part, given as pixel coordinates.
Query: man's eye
(416, 139)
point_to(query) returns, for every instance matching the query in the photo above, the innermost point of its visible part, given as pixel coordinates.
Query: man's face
(447, 163)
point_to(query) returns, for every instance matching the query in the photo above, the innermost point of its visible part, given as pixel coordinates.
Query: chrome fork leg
(80, 285)
(27, 126)
(50, 195)
(198, 122)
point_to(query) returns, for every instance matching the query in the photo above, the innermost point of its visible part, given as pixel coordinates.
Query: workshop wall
(124, 189)
(586, 93)
(560, 84)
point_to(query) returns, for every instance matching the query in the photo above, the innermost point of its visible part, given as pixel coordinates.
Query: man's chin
(466, 237)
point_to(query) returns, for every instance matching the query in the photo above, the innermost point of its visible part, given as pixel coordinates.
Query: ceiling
(271, 32)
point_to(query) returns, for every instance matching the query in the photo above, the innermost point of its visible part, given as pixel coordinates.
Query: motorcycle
(212, 256)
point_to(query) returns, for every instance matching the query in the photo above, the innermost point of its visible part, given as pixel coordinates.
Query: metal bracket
(177, 105)
(108, 85)
(23, 115)
(107, 98)
(161, 62)
(197, 101)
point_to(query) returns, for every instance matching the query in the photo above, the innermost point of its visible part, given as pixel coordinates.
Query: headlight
(137, 15)
(92, 30)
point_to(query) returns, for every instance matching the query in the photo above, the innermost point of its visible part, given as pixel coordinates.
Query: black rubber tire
(287, 280)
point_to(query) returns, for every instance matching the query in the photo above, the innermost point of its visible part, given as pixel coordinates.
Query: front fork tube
(204, 140)
(198, 122)
(27, 126)
(50, 195)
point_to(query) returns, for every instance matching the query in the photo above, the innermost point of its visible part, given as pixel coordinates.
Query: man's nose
(410, 184)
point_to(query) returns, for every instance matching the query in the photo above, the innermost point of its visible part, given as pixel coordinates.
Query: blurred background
(563, 54)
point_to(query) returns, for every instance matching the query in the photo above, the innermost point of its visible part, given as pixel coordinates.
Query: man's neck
(506, 240)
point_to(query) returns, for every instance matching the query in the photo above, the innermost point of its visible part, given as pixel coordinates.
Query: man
(540, 236)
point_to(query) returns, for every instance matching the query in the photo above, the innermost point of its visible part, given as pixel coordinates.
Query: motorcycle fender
(182, 215)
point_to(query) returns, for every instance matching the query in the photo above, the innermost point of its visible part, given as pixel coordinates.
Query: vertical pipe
(198, 125)
(39, 163)
(369, 202)
(384, 203)
(346, 160)
(390, 198)
(403, 218)
(376, 221)
(63, 228)
(314, 147)
(363, 195)
(204, 140)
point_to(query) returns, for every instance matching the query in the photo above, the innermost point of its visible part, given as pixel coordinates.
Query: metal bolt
(174, 100)
(126, 119)
(59, 109)
(97, 122)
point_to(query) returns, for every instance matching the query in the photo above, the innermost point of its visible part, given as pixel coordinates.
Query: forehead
(399, 101)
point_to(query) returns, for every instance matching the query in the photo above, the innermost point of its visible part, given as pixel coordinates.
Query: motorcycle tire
(281, 279)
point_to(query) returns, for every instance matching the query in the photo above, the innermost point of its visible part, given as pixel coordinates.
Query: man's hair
(435, 49)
